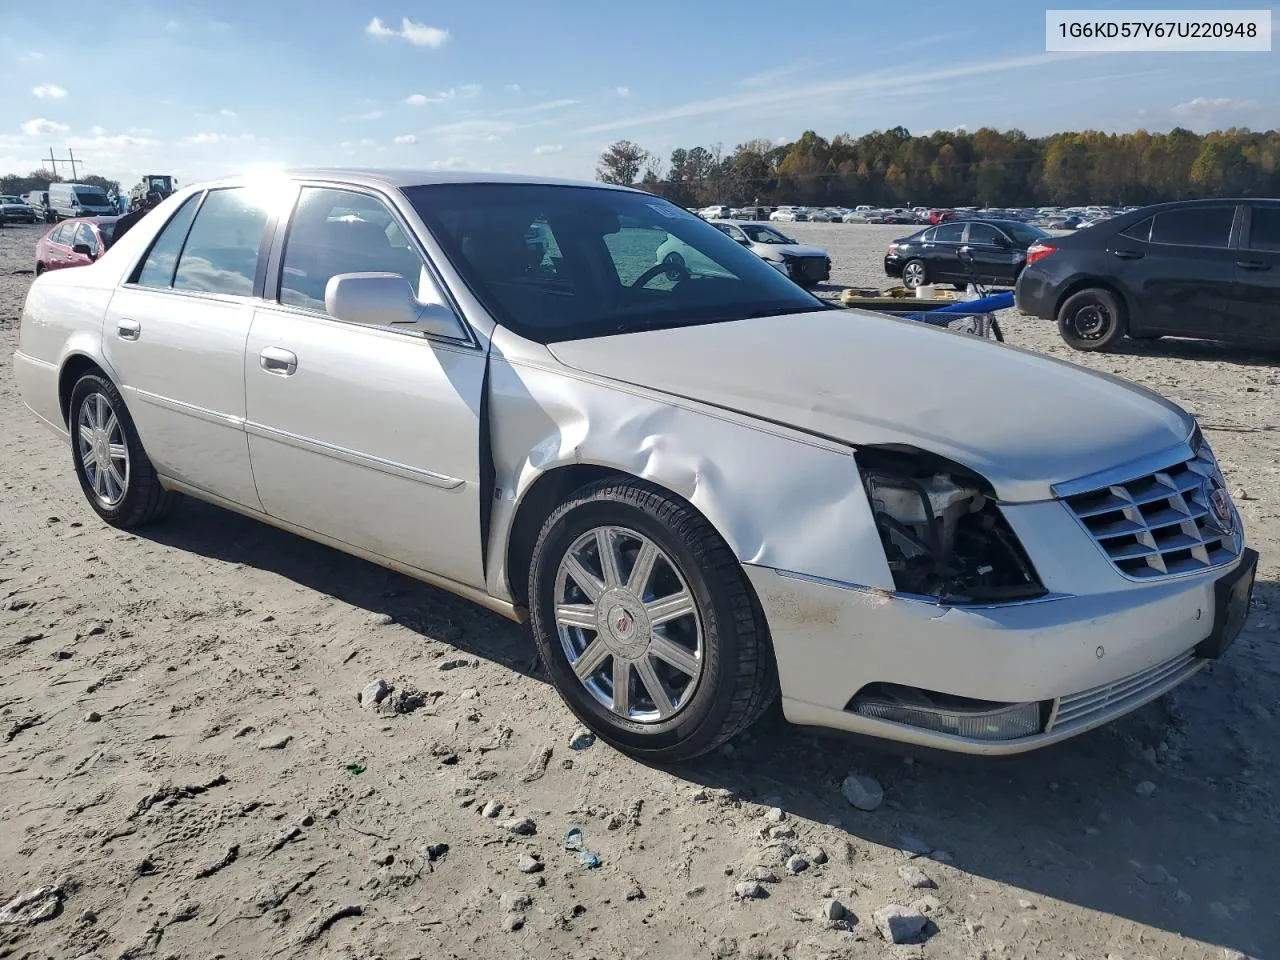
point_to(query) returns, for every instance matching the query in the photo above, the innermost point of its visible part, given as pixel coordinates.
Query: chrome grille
(1162, 523)
(1128, 691)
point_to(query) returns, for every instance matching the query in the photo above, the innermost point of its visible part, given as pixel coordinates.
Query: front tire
(1091, 319)
(647, 624)
(114, 472)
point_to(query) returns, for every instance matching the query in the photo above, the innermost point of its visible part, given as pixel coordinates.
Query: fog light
(957, 716)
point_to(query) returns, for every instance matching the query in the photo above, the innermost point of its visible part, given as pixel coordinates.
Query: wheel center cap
(622, 623)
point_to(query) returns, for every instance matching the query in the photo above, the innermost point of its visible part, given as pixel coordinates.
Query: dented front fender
(779, 498)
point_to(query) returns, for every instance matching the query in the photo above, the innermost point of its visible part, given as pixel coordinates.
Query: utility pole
(54, 161)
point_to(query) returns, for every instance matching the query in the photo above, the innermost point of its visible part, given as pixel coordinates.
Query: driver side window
(634, 249)
(340, 231)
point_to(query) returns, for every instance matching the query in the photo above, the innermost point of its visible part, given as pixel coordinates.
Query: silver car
(700, 490)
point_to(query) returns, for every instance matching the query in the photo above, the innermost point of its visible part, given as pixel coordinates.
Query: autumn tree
(621, 163)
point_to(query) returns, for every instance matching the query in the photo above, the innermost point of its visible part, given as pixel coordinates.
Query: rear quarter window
(1139, 231)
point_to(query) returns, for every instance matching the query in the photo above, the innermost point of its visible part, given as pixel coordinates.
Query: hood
(1022, 420)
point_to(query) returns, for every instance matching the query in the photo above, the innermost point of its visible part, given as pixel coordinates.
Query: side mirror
(387, 300)
(744, 240)
(83, 249)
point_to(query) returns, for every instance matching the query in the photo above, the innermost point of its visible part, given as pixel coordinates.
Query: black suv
(1198, 268)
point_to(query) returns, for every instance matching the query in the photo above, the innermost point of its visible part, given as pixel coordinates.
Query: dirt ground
(186, 771)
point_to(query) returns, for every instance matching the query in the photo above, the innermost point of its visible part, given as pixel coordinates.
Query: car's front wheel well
(1093, 283)
(75, 367)
(547, 492)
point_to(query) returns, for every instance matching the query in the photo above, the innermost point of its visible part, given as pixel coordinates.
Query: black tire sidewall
(698, 722)
(924, 273)
(1073, 304)
(123, 513)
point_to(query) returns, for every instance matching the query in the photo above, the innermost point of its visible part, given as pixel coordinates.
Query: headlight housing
(943, 534)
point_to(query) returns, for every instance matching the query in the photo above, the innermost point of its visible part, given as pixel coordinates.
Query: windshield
(565, 263)
(160, 183)
(762, 234)
(91, 195)
(1024, 232)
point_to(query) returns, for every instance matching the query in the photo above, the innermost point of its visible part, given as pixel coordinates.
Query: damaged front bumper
(1046, 669)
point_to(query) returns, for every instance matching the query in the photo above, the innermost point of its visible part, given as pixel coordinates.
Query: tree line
(999, 168)
(15, 185)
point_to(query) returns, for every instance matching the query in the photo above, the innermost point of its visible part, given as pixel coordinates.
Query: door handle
(1127, 254)
(283, 363)
(1252, 265)
(128, 329)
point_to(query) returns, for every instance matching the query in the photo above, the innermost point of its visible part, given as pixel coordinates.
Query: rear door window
(949, 233)
(984, 234)
(1194, 227)
(221, 252)
(85, 235)
(1139, 231)
(1264, 228)
(157, 269)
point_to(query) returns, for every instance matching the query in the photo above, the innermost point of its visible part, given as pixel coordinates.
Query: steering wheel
(672, 267)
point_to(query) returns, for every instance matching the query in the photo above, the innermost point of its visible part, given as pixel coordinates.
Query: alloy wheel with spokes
(913, 274)
(646, 623)
(117, 477)
(628, 624)
(104, 455)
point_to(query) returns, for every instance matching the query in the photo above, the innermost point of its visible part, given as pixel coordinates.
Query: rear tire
(914, 273)
(114, 472)
(1091, 319)
(712, 662)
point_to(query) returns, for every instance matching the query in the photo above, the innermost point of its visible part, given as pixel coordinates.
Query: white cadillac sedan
(701, 489)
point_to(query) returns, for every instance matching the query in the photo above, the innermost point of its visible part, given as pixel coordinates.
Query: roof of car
(418, 178)
(98, 220)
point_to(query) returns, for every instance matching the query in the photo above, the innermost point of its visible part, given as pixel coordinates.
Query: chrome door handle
(128, 329)
(283, 363)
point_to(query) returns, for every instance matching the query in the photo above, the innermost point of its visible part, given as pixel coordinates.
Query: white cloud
(449, 163)
(418, 34)
(31, 56)
(173, 26)
(42, 127)
(466, 91)
(538, 107)
(48, 90)
(479, 129)
(97, 131)
(120, 140)
(512, 88)
(1201, 108)
(623, 92)
(547, 148)
(199, 139)
(406, 138)
(806, 94)
(224, 112)
(370, 115)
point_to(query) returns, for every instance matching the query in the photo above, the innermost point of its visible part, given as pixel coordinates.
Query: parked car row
(62, 201)
(696, 489)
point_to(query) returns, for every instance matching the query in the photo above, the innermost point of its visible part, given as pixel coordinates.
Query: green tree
(621, 163)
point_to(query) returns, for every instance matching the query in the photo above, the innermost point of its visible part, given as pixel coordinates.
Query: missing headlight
(943, 534)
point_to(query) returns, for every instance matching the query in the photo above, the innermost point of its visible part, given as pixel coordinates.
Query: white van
(79, 200)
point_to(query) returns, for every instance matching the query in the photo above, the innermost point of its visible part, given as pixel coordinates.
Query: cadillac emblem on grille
(1221, 506)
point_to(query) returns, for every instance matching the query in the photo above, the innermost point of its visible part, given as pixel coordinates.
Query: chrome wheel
(104, 455)
(913, 274)
(628, 624)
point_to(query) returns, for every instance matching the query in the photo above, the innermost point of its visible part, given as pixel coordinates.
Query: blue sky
(203, 87)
